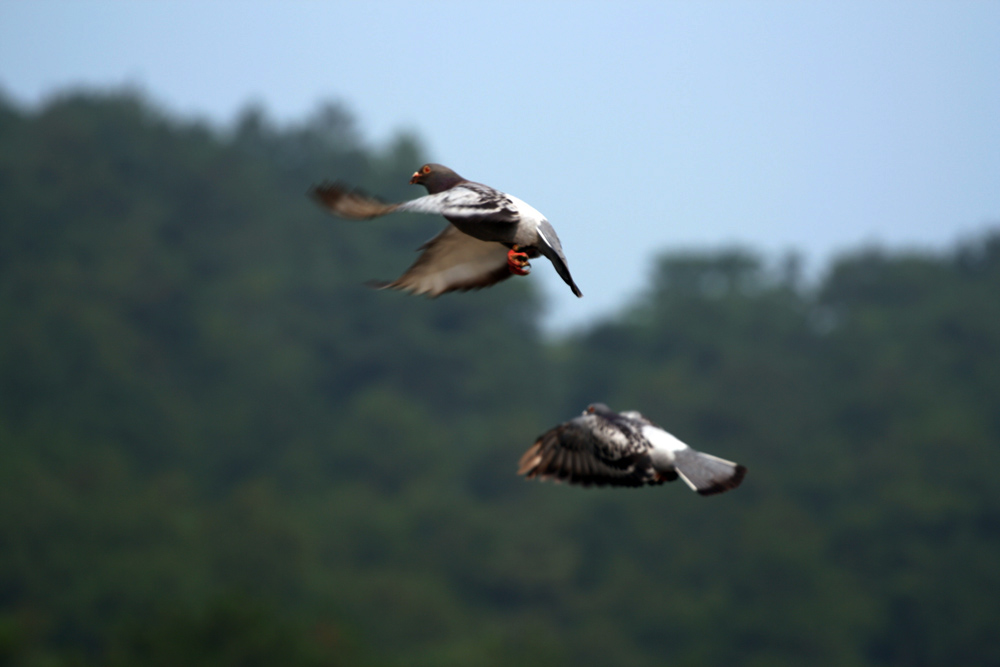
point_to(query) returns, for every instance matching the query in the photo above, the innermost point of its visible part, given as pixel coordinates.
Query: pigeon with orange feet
(491, 236)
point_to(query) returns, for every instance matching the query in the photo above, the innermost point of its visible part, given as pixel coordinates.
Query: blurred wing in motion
(349, 204)
(453, 261)
(470, 201)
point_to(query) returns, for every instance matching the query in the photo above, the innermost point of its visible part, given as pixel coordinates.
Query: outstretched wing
(350, 204)
(468, 201)
(589, 450)
(453, 261)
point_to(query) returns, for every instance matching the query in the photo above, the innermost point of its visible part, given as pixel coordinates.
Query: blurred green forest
(217, 447)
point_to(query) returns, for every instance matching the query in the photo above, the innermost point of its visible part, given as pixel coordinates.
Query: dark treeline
(218, 448)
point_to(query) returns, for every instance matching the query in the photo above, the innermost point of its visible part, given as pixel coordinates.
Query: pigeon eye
(426, 169)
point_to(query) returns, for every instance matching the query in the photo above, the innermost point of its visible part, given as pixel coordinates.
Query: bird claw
(519, 269)
(517, 262)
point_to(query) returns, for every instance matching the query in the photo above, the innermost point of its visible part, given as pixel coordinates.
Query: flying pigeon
(602, 447)
(492, 235)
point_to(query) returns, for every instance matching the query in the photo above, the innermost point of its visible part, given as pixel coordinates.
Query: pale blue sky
(636, 127)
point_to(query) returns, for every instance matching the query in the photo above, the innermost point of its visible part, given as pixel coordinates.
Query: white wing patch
(662, 440)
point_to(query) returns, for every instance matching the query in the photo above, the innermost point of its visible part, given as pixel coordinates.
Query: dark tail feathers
(559, 262)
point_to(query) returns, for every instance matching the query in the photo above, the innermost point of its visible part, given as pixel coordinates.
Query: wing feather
(468, 201)
(350, 204)
(587, 450)
(453, 261)
(530, 459)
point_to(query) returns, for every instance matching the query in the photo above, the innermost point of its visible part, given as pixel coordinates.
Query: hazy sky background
(636, 127)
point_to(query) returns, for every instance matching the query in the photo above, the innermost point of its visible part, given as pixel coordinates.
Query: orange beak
(415, 178)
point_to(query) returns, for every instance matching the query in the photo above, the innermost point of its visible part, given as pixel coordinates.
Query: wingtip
(326, 193)
(572, 285)
(528, 464)
(396, 286)
(350, 203)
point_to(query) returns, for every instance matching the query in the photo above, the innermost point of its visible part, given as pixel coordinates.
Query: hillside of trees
(217, 447)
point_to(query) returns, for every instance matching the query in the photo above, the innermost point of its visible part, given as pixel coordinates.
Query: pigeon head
(436, 178)
(597, 408)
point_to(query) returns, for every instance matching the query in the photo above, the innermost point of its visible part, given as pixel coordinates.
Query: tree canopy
(220, 448)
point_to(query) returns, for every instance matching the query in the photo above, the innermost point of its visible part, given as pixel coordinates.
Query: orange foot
(517, 262)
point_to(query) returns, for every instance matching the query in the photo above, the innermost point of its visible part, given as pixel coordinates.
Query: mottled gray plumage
(602, 447)
(490, 222)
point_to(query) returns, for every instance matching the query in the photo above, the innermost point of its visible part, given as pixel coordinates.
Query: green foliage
(219, 447)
